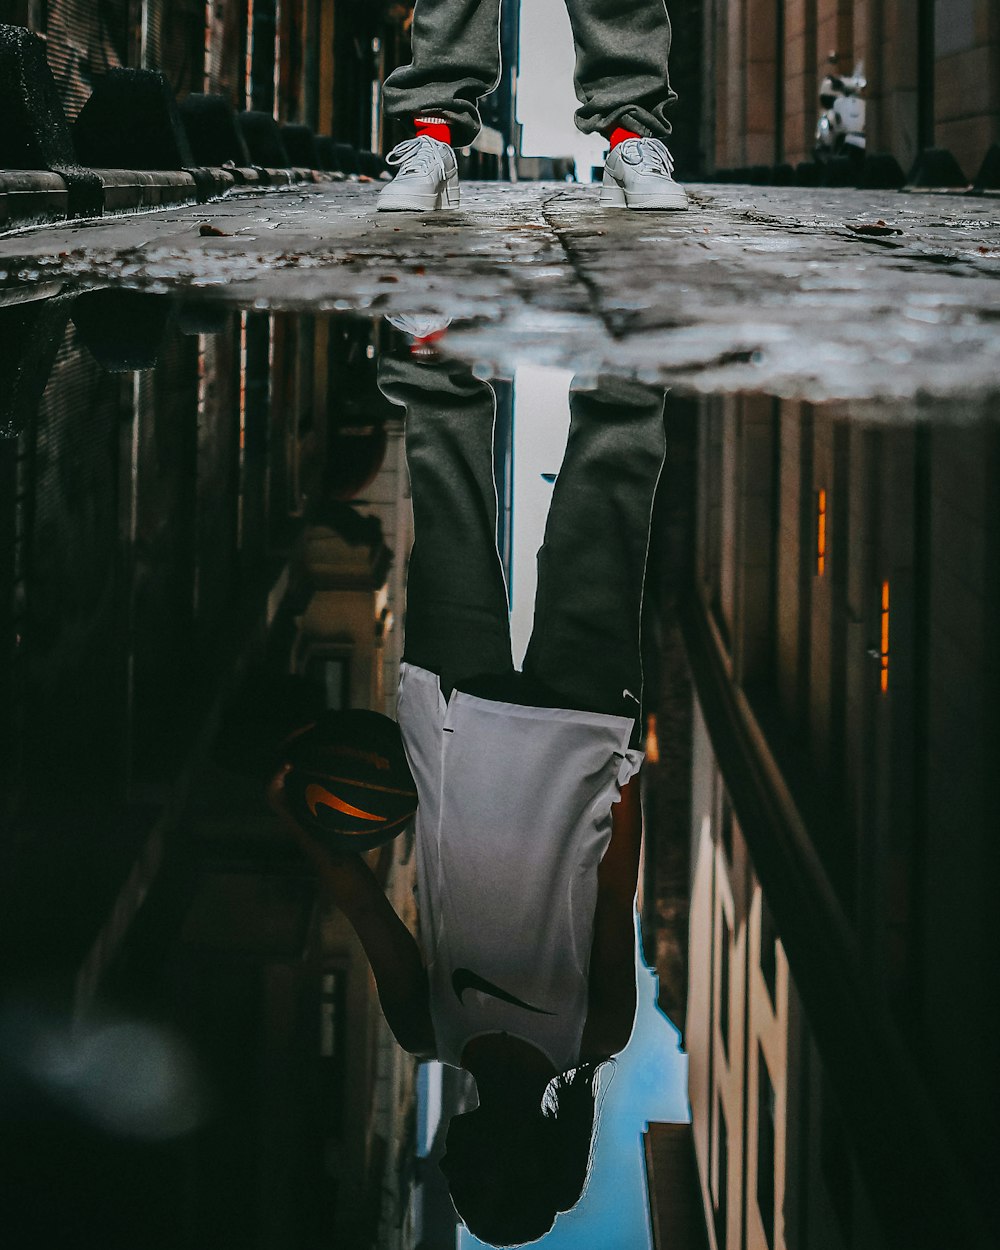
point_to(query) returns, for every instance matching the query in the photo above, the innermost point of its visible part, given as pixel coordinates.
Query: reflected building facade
(840, 989)
(196, 502)
(204, 533)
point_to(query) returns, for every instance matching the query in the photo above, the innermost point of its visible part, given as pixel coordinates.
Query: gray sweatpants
(585, 650)
(622, 47)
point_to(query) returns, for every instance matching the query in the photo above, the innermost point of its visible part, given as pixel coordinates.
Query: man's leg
(622, 49)
(456, 61)
(586, 638)
(457, 622)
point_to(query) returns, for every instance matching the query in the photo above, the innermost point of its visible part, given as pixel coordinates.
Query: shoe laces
(418, 155)
(652, 153)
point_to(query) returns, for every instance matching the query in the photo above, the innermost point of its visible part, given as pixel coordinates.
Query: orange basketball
(349, 781)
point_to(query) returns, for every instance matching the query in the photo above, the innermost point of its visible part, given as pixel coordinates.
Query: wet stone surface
(813, 294)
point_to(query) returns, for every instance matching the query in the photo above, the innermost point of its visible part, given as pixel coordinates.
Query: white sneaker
(419, 326)
(426, 333)
(427, 177)
(639, 174)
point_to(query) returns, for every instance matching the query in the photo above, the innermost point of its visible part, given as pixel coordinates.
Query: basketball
(349, 783)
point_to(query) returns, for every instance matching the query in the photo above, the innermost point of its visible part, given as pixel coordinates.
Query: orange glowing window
(652, 741)
(884, 640)
(820, 533)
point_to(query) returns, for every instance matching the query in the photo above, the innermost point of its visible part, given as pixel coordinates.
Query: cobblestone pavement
(813, 294)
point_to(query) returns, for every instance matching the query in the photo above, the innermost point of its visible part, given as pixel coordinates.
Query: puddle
(218, 524)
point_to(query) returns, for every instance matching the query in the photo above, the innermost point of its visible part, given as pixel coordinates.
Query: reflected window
(726, 827)
(727, 939)
(765, 1147)
(835, 1162)
(332, 1032)
(820, 533)
(333, 673)
(721, 1178)
(768, 950)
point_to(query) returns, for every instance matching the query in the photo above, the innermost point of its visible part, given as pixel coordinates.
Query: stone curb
(31, 195)
(28, 196)
(126, 189)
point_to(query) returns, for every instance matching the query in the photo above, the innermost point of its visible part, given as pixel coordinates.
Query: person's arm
(611, 1001)
(395, 959)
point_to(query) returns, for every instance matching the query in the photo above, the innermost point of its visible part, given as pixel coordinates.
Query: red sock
(435, 127)
(619, 136)
(424, 346)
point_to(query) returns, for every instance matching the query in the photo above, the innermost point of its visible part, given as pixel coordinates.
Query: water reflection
(838, 642)
(528, 826)
(123, 1078)
(205, 543)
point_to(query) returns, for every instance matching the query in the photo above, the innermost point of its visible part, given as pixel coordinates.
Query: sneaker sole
(615, 196)
(665, 203)
(408, 202)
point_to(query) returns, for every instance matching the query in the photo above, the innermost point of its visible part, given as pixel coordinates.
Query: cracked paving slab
(812, 294)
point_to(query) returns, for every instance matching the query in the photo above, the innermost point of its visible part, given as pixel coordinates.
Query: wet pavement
(567, 495)
(811, 294)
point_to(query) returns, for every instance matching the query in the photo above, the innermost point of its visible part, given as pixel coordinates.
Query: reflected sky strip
(649, 1084)
(541, 429)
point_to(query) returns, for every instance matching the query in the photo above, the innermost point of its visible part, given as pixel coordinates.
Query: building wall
(769, 1167)
(148, 538)
(933, 68)
(967, 79)
(311, 61)
(844, 571)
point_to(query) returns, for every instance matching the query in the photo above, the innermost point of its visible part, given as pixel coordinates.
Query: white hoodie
(514, 817)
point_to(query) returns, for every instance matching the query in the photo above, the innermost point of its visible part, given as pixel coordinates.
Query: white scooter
(840, 130)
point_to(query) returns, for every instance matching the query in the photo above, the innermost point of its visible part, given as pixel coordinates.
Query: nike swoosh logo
(316, 795)
(463, 979)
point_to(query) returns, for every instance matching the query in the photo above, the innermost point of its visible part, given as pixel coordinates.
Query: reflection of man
(528, 826)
